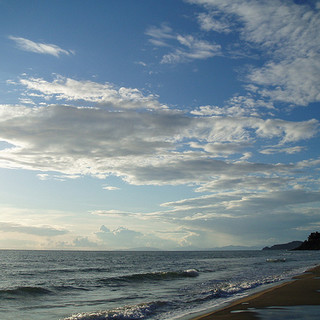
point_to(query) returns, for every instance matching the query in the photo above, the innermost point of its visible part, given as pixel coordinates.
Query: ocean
(83, 285)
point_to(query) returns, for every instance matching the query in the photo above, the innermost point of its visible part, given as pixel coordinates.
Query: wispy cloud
(208, 22)
(38, 47)
(286, 34)
(182, 48)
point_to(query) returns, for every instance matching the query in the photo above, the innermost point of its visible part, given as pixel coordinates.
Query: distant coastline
(312, 243)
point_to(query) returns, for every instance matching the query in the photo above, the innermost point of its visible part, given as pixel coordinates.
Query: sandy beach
(296, 299)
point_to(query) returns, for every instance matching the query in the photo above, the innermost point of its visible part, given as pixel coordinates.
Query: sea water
(77, 285)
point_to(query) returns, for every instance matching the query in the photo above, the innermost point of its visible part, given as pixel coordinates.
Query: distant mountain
(230, 248)
(226, 248)
(143, 249)
(285, 246)
(313, 242)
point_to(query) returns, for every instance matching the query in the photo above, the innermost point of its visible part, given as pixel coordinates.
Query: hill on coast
(313, 242)
(284, 246)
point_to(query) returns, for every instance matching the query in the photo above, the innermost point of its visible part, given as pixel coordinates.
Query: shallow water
(292, 313)
(53, 285)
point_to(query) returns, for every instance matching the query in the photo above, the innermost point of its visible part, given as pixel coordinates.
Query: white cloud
(286, 33)
(221, 149)
(237, 106)
(160, 34)
(183, 48)
(122, 237)
(209, 23)
(110, 188)
(290, 150)
(69, 89)
(43, 176)
(247, 213)
(111, 213)
(42, 231)
(156, 146)
(38, 47)
(122, 132)
(248, 183)
(84, 242)
(191, 49)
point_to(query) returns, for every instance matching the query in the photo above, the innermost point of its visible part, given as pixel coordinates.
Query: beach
(295, 299)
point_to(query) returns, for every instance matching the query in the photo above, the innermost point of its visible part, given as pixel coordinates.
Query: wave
(227, 290)
(70, 288)
(277, 260)
(25, 291)
(154, 276)
(129, 312)
(36, 291)
(64, 270)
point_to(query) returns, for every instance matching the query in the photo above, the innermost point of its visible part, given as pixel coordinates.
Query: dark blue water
(53, 285)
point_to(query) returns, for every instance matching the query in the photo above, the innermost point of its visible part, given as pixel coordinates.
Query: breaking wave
(276, 260)
(129, 312)
(227, 290)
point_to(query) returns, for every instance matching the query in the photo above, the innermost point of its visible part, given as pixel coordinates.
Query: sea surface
(78, 285)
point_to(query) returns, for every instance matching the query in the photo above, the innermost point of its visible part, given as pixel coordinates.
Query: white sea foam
(129, 312)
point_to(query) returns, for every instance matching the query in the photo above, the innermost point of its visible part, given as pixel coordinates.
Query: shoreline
(301, 290)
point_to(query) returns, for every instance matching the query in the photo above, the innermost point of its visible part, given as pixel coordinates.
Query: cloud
(184, 48)
(191, 49)
(221, 149)
(68, 89)
(237, 106)
(110, 188)
(286, 34)
(290, 150)
(111, 213)
(249, 215)
(120, 237)
(248, 183)
(84, 242)
(125, 238)
(100, 130)
(242, 204)
(42, 231)
(158, 35)
(208, 22)
(144, 143)
(41, 48)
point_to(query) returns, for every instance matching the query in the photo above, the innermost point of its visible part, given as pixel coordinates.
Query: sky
(167, 124)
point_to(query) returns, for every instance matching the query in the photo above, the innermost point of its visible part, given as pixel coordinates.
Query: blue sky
(167, 124)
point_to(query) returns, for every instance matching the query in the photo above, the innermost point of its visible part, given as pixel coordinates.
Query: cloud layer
(156, 146)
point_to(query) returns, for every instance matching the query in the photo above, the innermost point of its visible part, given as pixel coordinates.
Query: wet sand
(302, 291)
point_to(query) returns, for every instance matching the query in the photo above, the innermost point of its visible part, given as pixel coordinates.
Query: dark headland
(312, 243)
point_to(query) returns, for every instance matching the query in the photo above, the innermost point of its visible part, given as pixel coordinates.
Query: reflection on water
(294, 312)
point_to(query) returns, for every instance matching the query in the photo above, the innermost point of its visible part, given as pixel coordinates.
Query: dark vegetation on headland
(313, 243)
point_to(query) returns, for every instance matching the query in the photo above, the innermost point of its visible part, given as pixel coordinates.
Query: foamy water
(61, 285)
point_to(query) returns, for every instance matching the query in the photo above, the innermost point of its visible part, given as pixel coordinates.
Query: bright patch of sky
(168, 124)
